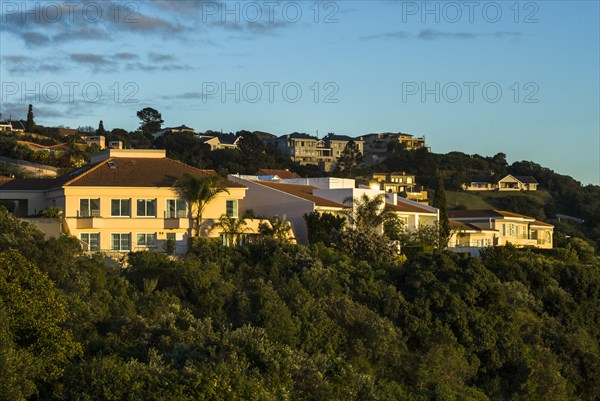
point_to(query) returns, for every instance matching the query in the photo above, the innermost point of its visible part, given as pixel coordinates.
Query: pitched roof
(301, 191)
(492, 213)
(541, 224)
(138, 172)
(341, 138)
(405, 207)
(120, 172)
(526, 179)
(297, 135)
(283, 174)
(27, 184)
(460, 225)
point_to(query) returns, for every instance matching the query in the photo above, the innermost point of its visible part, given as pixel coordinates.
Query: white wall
(265, 201)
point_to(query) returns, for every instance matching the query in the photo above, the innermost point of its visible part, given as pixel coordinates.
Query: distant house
(115, 145)
(400, 183)
(12, 126)
(482, 228)
(220, 142)
(181, 128)
(517, 183)
(97, 140)
(480, 183)
(377, 146)
(508, 183)
(306, 149)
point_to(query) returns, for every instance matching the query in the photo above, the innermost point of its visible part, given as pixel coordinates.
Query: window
(120, 207)
(120, 242)
(232, 208)
(146, 239)
(176, 208)
(146, 207)
(92, 240)
(89, 208)
(409, 180)
(171, 237)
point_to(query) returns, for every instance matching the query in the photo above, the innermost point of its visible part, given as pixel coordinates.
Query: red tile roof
(283, 174)
(120, 172)
(403, 207)
(138, 172)
(487, 214)
(460, 225)
(301, 191)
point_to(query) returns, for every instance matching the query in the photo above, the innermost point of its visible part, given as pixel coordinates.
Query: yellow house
(124, 201)
(500, 227)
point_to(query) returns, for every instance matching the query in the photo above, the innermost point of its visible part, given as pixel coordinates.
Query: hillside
(270, 321)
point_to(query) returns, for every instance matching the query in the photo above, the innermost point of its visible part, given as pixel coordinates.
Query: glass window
(89, 207)
(120, 242)
(146, 239)
(92, 240)
(232, 208)
(120, 207)
(176, 208)
(146, 207)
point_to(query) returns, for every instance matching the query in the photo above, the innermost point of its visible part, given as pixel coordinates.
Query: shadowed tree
(198, 192)
(151, 121)
(277, 229)
(101, 130)
(349, 159)
(439, 202)
(232, 228)
(30, 123)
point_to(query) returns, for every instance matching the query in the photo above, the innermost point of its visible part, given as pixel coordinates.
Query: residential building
(181, 128)
(5, 126)
(481, 228)
(378, 147)
(277, 175)
(306, 149)
(115, 145)
(293, 198)
(508, 183)
(400, 183)
(123, 200)
(517, 183)
(220, 142)
(97, 140)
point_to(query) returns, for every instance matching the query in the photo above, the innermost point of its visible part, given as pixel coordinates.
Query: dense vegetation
(273, 321)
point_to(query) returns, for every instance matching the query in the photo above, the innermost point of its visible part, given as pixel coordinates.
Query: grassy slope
(486, 199)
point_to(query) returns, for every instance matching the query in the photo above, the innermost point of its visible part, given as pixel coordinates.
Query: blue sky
(480, 77)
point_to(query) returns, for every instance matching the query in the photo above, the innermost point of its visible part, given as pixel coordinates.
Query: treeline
(273, 321)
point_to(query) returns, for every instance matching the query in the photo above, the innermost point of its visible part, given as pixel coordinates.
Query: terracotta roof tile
(403, 207)
(301, 191)
(283, 174)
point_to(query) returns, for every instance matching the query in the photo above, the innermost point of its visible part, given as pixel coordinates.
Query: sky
(481, 77)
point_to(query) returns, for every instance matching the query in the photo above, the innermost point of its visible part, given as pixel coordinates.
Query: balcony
(87, 219)
(176, 219)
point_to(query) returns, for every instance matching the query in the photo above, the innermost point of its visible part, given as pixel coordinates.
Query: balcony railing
(176, 214)
(88, 213)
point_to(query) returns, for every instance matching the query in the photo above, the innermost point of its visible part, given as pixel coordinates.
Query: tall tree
(151, 121)
(439, 202)
(198, 192)
(30, 123)
(367, 213)
(101, 130)
(349, 159)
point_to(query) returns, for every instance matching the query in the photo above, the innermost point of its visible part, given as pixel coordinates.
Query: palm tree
(278, 229)
(367, 213)
(233, 228)
(198, 192)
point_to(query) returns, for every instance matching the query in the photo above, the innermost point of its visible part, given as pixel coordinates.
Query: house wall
(269, 202)
(105, 225)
